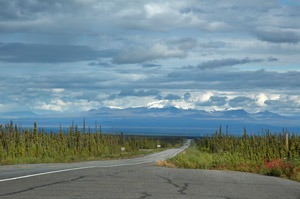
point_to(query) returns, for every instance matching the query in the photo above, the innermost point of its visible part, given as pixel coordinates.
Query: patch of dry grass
(165, 164)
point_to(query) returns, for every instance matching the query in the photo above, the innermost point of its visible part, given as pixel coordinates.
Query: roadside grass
(68, 159)
(192, 158)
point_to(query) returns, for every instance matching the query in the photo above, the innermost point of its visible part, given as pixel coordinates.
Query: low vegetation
(24, 146)
(274, 154)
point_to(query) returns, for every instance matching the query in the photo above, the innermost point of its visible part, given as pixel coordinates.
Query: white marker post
(122, 149)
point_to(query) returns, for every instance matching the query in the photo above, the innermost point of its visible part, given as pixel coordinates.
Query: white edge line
(58, 171)
(45, 173)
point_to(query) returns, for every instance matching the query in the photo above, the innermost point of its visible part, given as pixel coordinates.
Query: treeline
(34, 145)
(267, 146)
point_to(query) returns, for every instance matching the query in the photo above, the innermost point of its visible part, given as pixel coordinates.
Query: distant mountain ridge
(18, 114)
(169, 120)
(173, 112)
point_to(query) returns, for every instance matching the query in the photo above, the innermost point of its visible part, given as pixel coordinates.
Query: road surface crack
(144, 195)
(181, 189)
(113, 174)
(41, 186)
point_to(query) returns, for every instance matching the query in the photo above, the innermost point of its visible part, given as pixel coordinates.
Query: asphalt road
(137, 179)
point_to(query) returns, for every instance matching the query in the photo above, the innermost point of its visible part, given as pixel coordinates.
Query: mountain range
(163, 121)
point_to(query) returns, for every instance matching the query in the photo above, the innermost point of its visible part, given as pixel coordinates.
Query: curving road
(137, 179)
(15, 172)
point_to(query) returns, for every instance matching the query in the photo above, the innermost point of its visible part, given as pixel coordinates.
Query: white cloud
(61, 106)
(115, 107)
(261, 98)
(217, 26)
(58, 90)
(157, 104)
(155, 9)
(54, 105)
(206, 96)
(184, 105)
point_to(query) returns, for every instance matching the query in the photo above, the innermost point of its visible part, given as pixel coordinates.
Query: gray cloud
(48, 53)
(26, 10)
(151, 65)
(278, 35)
(272, 59)
(154, 39)
(136, 93)
(235, 80)
(213, 45)
(144, 16)
(221, 63)
(214, 101)
(172, 97)
(140, 54)
(183, 43)
(159, 97)
(283, 105)
(103, 64)
(241, 101)
(187, 96)
(139, 93)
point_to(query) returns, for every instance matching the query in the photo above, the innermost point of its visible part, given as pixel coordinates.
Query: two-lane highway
(137, 179)
(15, 172)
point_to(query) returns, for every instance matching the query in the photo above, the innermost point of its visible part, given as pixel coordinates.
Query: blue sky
(75, 55)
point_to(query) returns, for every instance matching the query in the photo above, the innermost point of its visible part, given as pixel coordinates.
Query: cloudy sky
(75, 55)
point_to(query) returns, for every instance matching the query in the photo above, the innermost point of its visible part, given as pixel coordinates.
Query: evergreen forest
(34, 145)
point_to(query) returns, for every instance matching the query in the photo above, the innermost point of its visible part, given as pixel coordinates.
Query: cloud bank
(70, 56)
